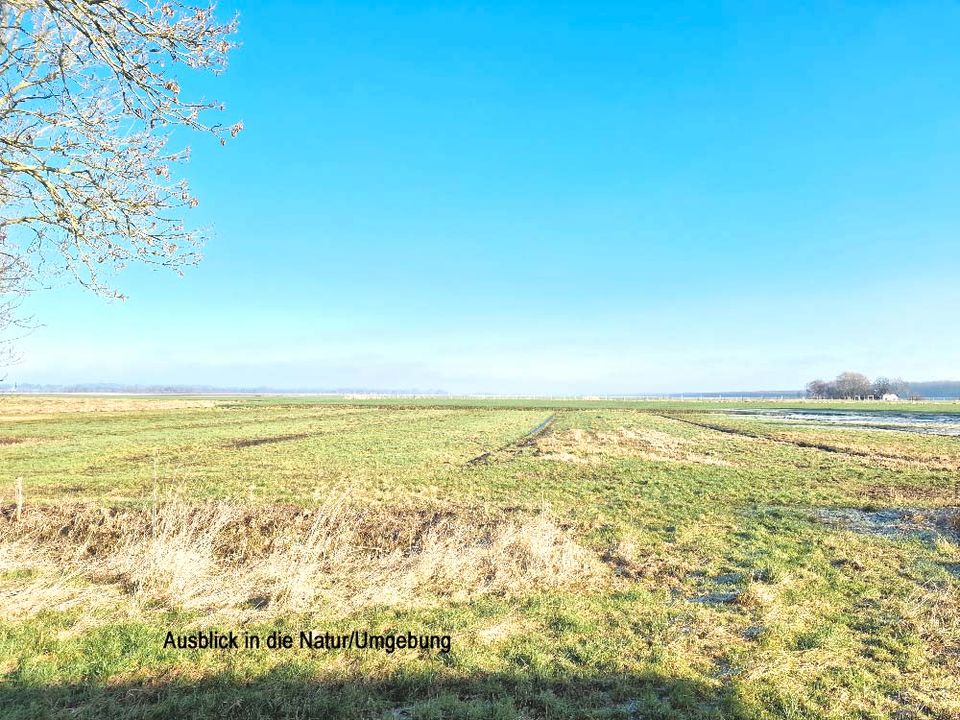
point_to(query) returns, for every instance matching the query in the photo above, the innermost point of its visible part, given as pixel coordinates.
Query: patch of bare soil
(932, 493)
(594, 446)
(924, 524)
(513, 448)
(252, 442)
(15, 440)
(627, 560)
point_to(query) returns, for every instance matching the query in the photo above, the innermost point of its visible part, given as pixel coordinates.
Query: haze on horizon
(555, 199)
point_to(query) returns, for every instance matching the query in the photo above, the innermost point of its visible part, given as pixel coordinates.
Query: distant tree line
(853, 385)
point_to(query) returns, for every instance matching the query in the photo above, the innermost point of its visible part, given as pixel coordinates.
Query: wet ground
(900, 420)
(923, 524)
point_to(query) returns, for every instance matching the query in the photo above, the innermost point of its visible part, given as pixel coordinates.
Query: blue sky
(556, 198)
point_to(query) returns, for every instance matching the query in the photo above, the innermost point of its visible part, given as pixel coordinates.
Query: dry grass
(591, 446)
(504, 629)
(30, 584)
(661, 565)
(28, 407)
(267, 560)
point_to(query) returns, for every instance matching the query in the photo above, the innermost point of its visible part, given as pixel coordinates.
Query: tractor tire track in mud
(795, 443)
(525, 441)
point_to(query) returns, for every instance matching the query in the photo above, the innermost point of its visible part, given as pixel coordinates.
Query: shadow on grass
(288, 692)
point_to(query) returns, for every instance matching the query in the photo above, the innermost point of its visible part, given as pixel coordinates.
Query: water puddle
(903, 421)
(927, 525)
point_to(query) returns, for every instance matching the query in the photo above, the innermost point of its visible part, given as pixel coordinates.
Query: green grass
(720, 595)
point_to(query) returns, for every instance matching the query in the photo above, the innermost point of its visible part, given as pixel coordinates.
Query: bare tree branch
(88, 99)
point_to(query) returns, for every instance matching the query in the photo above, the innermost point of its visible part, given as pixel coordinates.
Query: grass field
(630, 560)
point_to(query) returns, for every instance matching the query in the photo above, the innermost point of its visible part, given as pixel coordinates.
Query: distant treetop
(856, 386)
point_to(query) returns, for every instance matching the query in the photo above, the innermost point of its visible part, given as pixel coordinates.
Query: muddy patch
(528, 439)
(897, 523)
(901, 495)
(252, 442)
(594, 446)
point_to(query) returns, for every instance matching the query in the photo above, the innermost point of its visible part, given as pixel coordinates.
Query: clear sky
(556, 197)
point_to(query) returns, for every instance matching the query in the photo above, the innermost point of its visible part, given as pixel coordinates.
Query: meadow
(587, 559)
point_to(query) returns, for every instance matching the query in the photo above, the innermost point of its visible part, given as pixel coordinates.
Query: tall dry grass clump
(339, 557)
(174, 559)
(32, 583)
(349, 559)
(456, 556)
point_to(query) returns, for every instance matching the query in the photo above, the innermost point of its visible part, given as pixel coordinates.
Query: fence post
(19, 497)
